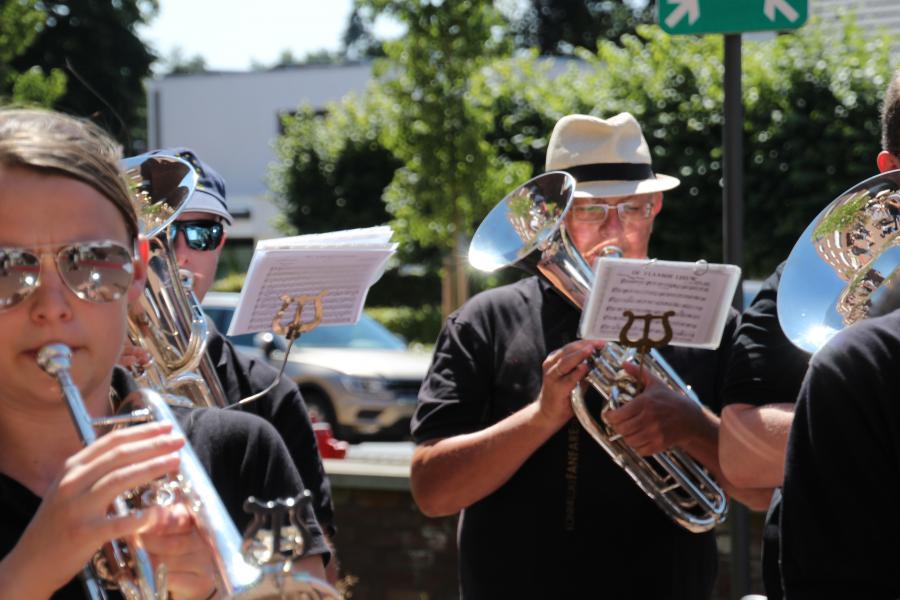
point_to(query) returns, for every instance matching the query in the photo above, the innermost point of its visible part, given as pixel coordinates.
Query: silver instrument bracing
(844, 267)
(527, 230)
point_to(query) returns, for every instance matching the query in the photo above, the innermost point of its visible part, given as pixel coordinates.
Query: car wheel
(320, 410)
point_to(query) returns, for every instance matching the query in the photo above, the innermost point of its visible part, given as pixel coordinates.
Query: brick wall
(389, 551)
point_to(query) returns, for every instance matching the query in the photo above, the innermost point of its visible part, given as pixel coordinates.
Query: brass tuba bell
(527, 230)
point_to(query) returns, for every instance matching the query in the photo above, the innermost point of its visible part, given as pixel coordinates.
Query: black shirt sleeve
(839, 522)
(454, 394)
(245, 456)
(765, 367)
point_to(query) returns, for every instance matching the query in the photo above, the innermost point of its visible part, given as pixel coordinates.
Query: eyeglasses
(199, 235)
(98, 271)
(598, 212)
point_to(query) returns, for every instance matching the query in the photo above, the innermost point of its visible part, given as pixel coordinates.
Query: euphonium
(844, 267)
(527, 230)
(126, 563)
(168, 321)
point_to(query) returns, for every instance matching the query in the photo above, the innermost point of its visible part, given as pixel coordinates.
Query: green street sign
(730, 16)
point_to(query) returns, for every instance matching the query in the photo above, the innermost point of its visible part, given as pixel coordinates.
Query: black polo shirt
(840, 522)
(569, 522)
(243, 376)
(765, 368)
(242, 453)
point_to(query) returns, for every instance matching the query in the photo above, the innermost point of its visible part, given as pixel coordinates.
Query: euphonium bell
(844, 267)
(527, 230)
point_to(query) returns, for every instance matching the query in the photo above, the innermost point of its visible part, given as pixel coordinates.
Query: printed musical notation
(699, 294)
(346, 263)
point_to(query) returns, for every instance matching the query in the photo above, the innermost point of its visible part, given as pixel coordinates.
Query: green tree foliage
(451, 174)
(333, 168)
(20, 21)
(558, 26)
(359, 39)
(97, 38)
(810, 129)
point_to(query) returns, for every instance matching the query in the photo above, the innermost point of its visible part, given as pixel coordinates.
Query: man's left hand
(656, 419)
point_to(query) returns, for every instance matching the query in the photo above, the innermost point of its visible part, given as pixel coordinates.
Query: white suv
(360, 378)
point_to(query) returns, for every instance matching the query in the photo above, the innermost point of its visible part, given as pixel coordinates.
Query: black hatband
(611, 172)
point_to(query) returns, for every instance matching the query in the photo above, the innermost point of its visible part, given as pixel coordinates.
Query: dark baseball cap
(209, 197)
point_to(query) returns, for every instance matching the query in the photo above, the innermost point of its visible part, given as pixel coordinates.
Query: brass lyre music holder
(297, 326)
(291, 330)
(644, 343)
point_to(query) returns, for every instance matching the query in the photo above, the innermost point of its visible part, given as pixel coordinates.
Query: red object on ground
(329, 446)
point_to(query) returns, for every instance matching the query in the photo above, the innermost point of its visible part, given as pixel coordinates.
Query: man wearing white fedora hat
(544, 511)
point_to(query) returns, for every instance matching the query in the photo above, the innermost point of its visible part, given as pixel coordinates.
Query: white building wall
(871, 15)
(232, 120)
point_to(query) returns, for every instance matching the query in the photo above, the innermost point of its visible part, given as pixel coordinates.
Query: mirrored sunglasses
(97, 271)
(598, 212)
(198, 235)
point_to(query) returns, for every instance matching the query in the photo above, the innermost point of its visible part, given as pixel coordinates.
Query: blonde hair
(59, 144)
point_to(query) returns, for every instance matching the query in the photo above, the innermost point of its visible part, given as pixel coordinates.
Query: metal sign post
(732, 17)
(733, 252)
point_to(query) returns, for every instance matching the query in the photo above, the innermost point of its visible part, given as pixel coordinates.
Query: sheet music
(698, 293)
(345, 263)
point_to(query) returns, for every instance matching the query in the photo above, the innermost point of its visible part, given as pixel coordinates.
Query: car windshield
(367, 333)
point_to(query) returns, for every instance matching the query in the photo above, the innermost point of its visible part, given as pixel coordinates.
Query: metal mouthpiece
(54, 357)
(613, 251)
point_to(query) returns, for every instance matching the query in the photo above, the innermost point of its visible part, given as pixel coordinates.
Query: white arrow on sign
(786, 9)
(691, 8)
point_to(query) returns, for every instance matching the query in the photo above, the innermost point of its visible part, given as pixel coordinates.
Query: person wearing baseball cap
(545, 512)
(198, 235)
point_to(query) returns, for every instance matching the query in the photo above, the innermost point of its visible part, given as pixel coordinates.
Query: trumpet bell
(844, 267)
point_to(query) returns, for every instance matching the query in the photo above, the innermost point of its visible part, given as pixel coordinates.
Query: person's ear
(657, 203)
(887, 161)
(139, 264)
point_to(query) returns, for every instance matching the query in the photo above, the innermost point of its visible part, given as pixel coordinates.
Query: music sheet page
(698, 294)
(344, 264)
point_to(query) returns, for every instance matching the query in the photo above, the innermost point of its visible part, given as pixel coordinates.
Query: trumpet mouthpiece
(53, 358)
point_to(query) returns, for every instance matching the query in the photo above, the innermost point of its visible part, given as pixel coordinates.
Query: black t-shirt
(243, 455)
(765, 368)
(283, 407)
(840, 521)
(569, 522)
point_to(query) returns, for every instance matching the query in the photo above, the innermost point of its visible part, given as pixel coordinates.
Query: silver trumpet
(168, 321)
(245, 571)
(527, 230)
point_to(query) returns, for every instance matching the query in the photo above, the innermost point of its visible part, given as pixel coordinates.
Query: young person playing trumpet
(63, 201)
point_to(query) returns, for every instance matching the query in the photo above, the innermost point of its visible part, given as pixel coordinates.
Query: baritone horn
(167, 320)
(527, 230)
(245, 570)
(844, 267)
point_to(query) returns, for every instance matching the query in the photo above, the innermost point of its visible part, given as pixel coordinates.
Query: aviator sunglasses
(96, 271)
(204, 235)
